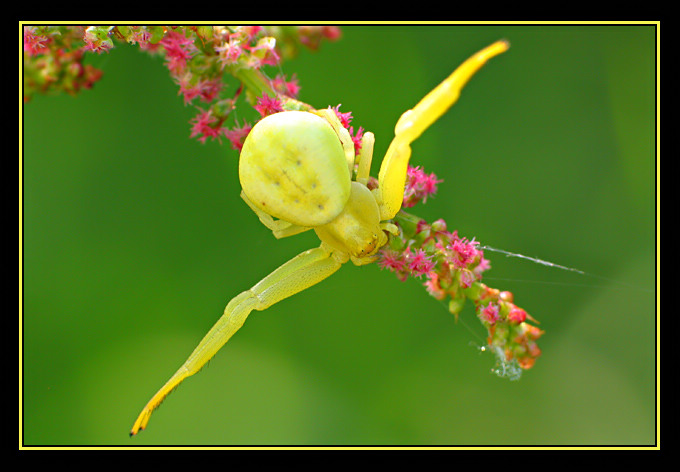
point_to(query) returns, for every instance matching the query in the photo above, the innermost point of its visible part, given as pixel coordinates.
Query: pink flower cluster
(53, 61)
(245, 47)
(407, 263)
(205, 89)
(512, 338)
(197, 57)
(453, 267)
(419, 186)
(179, 49)
(444, 257)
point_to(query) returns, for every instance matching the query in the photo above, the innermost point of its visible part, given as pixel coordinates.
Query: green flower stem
(255, 81)
(258, 85)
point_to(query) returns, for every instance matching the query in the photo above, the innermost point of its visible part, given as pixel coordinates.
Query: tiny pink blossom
(34, 43)
(187, 89)
(419, 186)
(463, 252)
(206, 89)
(205, 125)
(391, 260)
(289, 88)
(419, 263)
(141, 36)
(237, 135)
(209, 88)
(484, 264)
(229, 52)
(97, 41)
(489, 313)
(264, 53)
(429, 184)
(249, 32)
(467, 277)
(178, 50)
(356, 138)
(267, 105)
(345, 118)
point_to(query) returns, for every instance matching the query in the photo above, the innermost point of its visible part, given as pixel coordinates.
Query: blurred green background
(135, 238)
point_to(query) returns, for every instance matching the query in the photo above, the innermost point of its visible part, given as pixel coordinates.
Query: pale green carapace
(295, 170)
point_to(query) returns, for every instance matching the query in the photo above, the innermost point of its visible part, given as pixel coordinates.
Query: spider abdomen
(293, 167)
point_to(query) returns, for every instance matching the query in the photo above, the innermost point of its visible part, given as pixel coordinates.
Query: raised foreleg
(412, 123)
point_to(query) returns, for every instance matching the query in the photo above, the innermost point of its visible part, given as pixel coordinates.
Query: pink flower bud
(439, 226)
(517, 315)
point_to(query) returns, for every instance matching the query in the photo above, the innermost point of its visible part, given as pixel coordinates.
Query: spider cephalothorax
(297, 167)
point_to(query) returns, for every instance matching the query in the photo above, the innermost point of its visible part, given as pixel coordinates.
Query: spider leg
(365, 157)
(299, 273)
(280, 228)
(412, 123)
(343, 135)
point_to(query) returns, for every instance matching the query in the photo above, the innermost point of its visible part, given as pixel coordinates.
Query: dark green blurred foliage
(135, 238)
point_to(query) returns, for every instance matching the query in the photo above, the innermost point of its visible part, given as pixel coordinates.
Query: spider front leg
(301, 272)
(365, 157)
(412, 123)
(280, 228)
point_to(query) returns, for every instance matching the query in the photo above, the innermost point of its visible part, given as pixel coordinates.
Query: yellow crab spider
(296, 172)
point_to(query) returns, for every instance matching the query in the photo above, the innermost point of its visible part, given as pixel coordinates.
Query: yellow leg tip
(156, 400)
(496, 48)
(140, 424)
